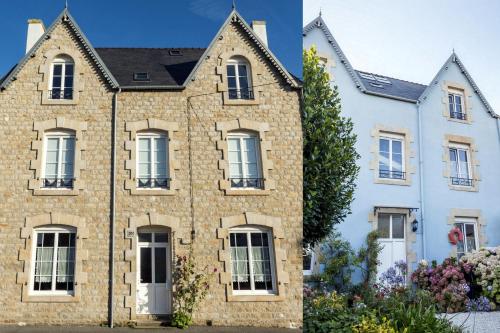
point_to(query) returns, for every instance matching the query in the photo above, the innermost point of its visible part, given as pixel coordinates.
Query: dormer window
(456, 104)
(62, 74)
(239, 79)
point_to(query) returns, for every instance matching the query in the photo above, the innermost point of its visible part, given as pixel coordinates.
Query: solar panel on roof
(367, 76)
(382, 79)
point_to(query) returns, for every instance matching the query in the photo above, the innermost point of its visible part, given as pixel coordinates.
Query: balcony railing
(246, 93)
(461, 181)
(163, 183)
(57, 182)
(458, 115)
(66, 93)
(392, 174)
(247, 182)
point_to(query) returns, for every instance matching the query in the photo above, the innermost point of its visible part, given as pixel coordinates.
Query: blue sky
(155, 23)
(411, 39)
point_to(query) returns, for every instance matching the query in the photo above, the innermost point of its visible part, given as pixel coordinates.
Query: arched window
(244, 160)
(152, 160)
(53, 270)
(239, 79)
(59, 159)
(252, 260)
(61, 82)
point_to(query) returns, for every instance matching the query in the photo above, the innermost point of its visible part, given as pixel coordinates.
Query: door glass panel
(146, 265)
(160, 265)
(384, 226)
(161, 237)
(398, 227)
(145, 237)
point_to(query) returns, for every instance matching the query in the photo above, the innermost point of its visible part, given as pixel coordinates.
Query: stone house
(429, 159)
(116, 160)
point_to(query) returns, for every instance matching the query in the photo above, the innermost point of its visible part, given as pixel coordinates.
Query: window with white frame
(152, 161)
(53, 261)
(62, 78)
(239, 78)
(252, 261)
(59, 158)
(391, 156)
(468, 226)
(456, 104)
(244, 160)
(308, 261)
(460, 168)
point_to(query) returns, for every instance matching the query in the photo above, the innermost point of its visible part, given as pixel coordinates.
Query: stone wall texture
(197, 203)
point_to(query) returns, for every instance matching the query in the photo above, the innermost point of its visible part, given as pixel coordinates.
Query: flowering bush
(486, 269)
(478, 304)
(370, 324)
(446, 282)
(394, 279)
(190, 288)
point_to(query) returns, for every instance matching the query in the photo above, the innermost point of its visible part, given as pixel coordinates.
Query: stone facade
(194, 209)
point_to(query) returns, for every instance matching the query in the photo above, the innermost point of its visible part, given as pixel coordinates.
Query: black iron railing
(392, 174)
(246, 93)
(65, 93)
(57, 182)
(247, 182)
(458, 115)
(153, 183)
(461, 181)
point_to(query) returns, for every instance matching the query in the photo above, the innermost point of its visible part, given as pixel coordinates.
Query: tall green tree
(330, 168)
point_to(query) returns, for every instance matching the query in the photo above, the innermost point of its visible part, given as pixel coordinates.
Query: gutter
(113, 209)
(421, 180)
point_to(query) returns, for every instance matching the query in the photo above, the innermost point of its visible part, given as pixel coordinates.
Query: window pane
(450, 102)
(470, 237)
(231, 83)
(384, 145)
(48, 239)
(239, 261)
(234, 144)
(397, 162)
(398, 227)
(145, 237)
(307, 262)
(161, 237)
(453, 162)
(464, 166)
(145, 270)
(57, 69)
(242, 71)
(69, 70)
(160, 265)
(396, 147)
(384, 226)
(56, 82)
(230, 70)
(460, 244)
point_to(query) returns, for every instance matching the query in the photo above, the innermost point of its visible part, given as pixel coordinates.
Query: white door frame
(147, 294)
(391, 241)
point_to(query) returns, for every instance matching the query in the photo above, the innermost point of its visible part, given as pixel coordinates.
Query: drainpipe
(421, 179)
(498, 129)
(113, 206)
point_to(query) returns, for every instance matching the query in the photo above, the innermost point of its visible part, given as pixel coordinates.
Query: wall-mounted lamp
(414, 225)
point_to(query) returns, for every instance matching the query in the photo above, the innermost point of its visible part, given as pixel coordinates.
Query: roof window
(175, 52)
(141, 76)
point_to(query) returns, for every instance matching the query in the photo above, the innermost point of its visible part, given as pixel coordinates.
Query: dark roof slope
(165, 66)
(391, 87)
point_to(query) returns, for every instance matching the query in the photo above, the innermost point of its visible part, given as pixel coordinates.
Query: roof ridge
(390, 77)
(149, 48)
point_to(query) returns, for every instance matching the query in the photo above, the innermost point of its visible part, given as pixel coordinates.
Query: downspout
(421, 179)
(113, 208)
(498, 128)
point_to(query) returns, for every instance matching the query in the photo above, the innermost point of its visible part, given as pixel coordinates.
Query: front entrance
(392, 235)
(154, 290)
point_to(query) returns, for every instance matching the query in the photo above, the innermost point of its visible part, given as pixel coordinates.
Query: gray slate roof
(397, 88)
(164, 67)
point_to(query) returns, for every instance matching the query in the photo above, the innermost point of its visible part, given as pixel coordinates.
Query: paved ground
(477, 322)
(87, 329)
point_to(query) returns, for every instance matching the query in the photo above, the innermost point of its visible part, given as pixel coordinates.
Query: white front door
(154, 290)
(391, 229)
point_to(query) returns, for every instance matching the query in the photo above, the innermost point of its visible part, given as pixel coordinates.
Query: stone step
(150, 323)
